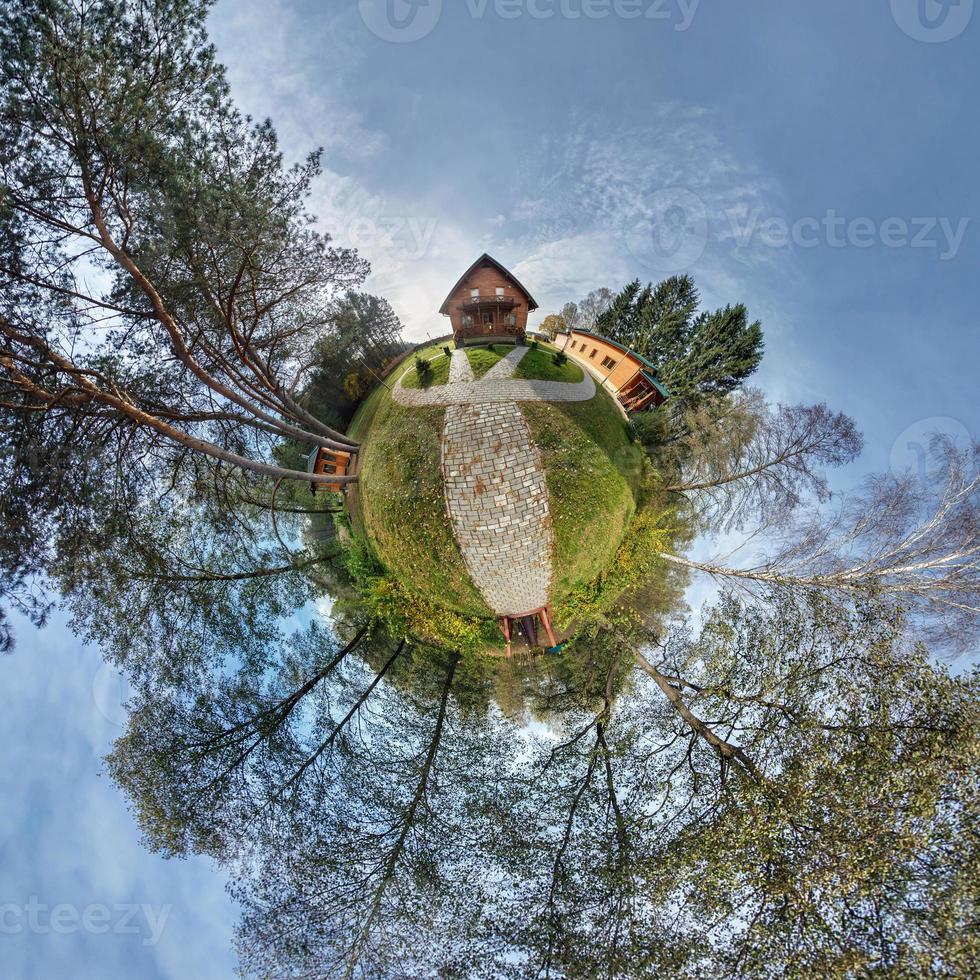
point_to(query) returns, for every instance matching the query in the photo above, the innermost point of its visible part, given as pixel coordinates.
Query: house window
(510, 320)
(474, 294)
(467, 321)
(572, 345)
(500, 292)
(595, 350)
(608, 362)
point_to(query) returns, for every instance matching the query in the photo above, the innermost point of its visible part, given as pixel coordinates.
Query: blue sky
(553, 132)
(815, 161)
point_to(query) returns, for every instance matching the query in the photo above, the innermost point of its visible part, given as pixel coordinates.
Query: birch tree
(915, 541)
(740, 461)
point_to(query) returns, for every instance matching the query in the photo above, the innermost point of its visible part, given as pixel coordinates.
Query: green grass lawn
(482, 358)
(400, 504)
(539, 365)
(593, 474)
(440, 369)
(593, 471)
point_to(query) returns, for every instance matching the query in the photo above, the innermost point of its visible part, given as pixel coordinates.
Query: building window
(511, 320)
(474, 294)
(500, 292)
(608, 362)
(572, 345)
(595, 350)
(467, 321)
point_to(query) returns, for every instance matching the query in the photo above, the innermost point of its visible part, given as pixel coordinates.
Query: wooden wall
(487, 279)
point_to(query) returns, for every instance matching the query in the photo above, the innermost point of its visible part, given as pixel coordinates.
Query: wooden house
(488, 303)
(630, 376)
(328, 461)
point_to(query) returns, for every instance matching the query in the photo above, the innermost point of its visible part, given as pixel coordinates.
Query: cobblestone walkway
(498, 504)
(496, 495)
(459, 368)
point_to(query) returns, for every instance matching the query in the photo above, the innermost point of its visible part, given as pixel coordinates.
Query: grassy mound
(593, 471)
(439, 374)
(399, 504)
(482, 359)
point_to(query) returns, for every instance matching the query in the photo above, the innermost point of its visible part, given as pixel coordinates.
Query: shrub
(492, 347)
(534, 345)
(422, 367)
(560, 358)
(447, 351)
(649, 428)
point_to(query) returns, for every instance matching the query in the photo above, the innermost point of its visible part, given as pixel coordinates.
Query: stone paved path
(498, 504)
(496, 495)
(459, 368)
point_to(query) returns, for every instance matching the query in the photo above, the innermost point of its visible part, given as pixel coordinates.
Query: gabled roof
(489, 259)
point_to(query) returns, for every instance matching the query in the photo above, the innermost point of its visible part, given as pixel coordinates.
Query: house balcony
(492, 302)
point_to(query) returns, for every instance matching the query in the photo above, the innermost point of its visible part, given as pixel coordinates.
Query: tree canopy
(786, 787)
(696, 353)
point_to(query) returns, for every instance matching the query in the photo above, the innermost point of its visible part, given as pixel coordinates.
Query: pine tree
(723, 350)
(696, 353)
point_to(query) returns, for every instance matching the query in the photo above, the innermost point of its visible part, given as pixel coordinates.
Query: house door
(488, 321)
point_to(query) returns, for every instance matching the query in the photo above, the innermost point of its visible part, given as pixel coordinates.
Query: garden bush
(649, 428)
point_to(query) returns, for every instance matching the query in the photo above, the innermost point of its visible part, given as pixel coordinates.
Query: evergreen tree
(696, 353)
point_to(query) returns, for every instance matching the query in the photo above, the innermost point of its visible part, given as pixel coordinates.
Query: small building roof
(489, 260)
(656, 384)
(626, 350)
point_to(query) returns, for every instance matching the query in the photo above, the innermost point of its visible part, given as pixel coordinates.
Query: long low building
(630, 376)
